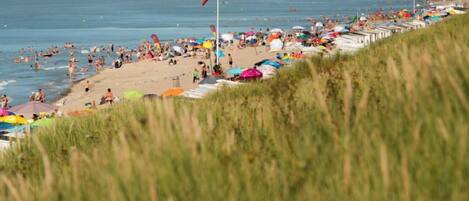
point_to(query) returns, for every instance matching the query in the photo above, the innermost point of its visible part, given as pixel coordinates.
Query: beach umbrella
(200, 41)
(33, 108)
(172, 92)
(276, 45)
(250, 73)
(234, 71)
(16, 129)
(250, 33)
(208, 44)
(5, 126)
(43, 122)
(133, 95)
(298, 28)
(4, 112)
(13, 119)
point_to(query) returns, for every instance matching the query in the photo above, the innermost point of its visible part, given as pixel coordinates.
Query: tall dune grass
(389, 123)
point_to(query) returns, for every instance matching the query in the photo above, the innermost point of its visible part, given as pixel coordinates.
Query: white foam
(3, 84)
(54, 68)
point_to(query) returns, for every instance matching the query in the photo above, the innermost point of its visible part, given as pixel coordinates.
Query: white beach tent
(227, 37)
(276, 45)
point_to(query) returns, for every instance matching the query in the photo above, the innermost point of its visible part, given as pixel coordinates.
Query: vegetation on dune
(388, 123)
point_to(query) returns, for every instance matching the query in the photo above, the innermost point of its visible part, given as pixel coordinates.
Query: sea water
(88, 23)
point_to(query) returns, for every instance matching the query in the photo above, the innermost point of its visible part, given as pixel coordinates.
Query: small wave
(3, 84)
(54, 68)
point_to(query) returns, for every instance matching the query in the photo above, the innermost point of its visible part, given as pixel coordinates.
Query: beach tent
(210, 80)
(340, 29)
(172, 92)
(13, 119)
(178, 49)
(276, 45)
(272, 63)
(251, 73)
(234, 71)
(33, 108)
(42, 122)
(227, 37)
(151, 96)
(133, 95)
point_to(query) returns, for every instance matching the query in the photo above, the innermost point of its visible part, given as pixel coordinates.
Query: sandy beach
(151, 77)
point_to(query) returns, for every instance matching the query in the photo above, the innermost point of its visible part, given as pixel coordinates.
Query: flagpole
(218, 35)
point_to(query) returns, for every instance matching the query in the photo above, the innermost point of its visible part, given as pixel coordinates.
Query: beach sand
(151, 77)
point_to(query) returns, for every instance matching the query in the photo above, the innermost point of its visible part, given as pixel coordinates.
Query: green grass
(389, 123)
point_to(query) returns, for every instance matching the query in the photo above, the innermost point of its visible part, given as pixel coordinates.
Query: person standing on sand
(230, 60)
(4, 102)
(90, 60)
(195, 76)
(87, 86)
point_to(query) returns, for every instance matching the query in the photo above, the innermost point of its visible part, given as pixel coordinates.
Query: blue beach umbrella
(272, 63)
(5, 126)
(200, 41)
(16, 129)
(234, 71)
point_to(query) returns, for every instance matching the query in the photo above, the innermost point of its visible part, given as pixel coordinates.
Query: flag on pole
(204, 2)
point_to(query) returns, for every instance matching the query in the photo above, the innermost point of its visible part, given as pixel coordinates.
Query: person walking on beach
(230, 60)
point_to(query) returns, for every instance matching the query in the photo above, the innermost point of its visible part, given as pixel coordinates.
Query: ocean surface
(40, 24)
